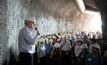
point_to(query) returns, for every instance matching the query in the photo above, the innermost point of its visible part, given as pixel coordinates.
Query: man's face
(65, 39)
(94, 50)
(30, 24)
(51, 40)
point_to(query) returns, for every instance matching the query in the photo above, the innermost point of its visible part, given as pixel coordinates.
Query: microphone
(36, 28)
(37, 31)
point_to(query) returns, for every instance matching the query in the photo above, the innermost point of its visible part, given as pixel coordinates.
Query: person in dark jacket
(95, 57)
(49, 48)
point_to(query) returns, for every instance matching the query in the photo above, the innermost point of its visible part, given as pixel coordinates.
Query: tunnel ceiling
(62, 8)
(59, 8)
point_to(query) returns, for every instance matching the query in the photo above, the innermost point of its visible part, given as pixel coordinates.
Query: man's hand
(38, 33)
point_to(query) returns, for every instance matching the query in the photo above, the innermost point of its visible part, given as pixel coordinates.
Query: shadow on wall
(12, 59)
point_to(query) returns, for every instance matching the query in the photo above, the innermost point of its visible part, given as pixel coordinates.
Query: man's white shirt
(27, 38)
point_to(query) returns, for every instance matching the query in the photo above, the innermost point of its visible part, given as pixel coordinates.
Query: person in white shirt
(77, 49)
(26, 41)
(65, 46)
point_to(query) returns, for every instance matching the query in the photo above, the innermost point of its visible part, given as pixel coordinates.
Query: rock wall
(103, 8)
(3, 31)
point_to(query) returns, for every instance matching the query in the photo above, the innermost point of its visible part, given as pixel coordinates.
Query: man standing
(65, 46)
(26, 41)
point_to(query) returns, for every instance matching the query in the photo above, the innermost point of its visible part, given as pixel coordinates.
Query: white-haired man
(26, 41)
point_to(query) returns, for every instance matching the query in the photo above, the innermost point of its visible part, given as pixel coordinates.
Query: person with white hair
(82, 56)
(26, 41)
(94, 58)
(41, 52)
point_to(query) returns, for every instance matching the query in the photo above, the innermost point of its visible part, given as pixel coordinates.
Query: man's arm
(29, 37)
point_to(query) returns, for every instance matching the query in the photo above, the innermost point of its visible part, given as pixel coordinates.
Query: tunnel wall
(103, 9)
(3, 31)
